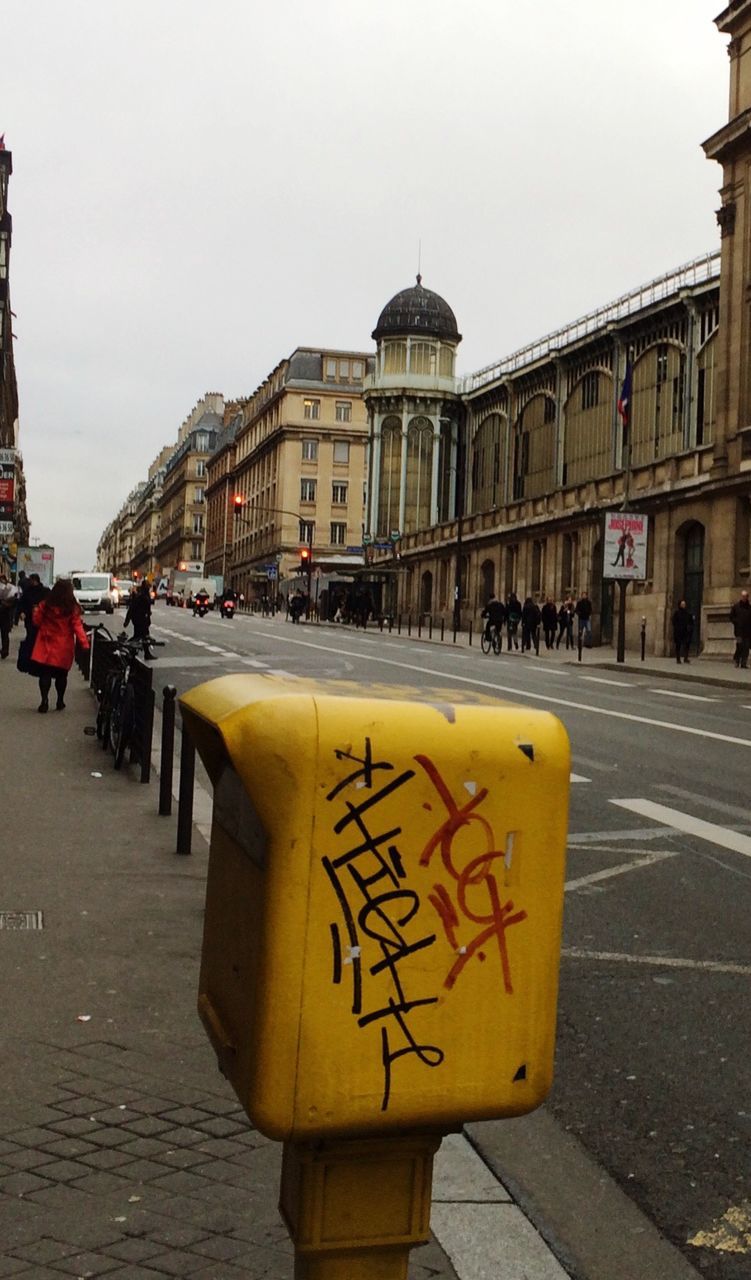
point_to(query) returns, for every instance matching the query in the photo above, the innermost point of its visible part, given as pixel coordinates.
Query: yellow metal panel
(407, 890)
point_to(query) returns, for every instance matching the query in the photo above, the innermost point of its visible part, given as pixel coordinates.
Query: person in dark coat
(513, 618)
(32, 594)
(58, 622)
(583, 612)
(139, 612)
(530, 625)
(566, 623)
(740, 616)
(494, 614)
(683, 630)
(549, 622)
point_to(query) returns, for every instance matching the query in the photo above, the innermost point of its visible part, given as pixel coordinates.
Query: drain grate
(21, 920)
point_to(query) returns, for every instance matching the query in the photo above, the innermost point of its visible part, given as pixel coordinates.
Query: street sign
(355, 551)
(396, 535)
(367, 538)
(381, 546)
(6, 528)
(271, 572)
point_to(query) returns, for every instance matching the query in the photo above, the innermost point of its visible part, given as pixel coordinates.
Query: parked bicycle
(116, 717)
(491, 639)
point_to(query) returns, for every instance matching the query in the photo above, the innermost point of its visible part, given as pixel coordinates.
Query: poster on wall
(39, 560)
(625, 545)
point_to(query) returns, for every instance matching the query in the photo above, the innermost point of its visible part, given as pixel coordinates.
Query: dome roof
(417, 311)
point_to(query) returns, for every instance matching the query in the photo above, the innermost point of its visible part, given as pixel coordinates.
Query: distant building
(182, 505)
(299, 473)
(14, 521)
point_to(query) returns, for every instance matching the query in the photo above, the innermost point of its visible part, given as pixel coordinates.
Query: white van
(94, 592)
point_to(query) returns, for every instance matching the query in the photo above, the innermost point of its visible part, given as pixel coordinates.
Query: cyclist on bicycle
(495, 615)
(139, 613)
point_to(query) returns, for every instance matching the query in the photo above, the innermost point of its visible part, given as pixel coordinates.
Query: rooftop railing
(699, 271)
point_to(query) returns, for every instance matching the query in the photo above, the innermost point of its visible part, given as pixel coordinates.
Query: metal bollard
(643, 637)
(380, 624)
(399, 625)
(391, 623)
(443, 625)
(185, 795)
(579, 646)
(169, 694)
(430, 627)
(454, 628)
(409, 624)
(419, 626)
(470, 633)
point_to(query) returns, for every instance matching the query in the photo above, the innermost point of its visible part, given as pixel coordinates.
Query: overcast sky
(198, 189)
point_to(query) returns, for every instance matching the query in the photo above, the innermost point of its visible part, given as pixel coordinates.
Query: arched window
(588, 446)
(394, 357)
(488, 464)
(390, 475)
(422, 358)
(657, 403)
(419, 474)
(426, 592)
(534, 449)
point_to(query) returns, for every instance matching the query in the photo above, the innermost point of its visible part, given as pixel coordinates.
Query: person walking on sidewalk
(513, 618)
(566, 623)
(59, 626)
(584, 614)
(549, 622)
(530, 625)
(7, 610)
(139, 613)
(683, 630)
(740, 616)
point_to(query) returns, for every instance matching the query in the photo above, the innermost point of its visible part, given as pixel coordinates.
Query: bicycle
(491, 639)
(116, 716)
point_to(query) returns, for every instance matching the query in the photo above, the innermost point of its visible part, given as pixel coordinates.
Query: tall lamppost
(306, 562)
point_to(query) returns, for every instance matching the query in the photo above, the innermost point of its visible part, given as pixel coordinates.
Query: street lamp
(306, 553)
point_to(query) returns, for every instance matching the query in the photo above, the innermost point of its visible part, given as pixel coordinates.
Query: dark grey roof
(417, 311)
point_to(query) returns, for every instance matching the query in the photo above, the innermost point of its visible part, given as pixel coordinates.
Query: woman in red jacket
(58, 619)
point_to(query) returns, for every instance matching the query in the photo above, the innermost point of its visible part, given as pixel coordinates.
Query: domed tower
(412, 401)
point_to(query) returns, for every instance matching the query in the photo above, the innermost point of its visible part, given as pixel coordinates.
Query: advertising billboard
(39, 560)
(625, 544)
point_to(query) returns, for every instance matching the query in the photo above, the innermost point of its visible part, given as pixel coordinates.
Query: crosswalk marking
(709, 831)
(578, 777)
(622, 869)
(619, 684)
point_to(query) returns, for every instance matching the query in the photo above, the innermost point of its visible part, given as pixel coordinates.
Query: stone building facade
(14, 521)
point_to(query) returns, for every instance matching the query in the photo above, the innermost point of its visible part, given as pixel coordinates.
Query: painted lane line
(255, 662)
(658, 962)
(614, 837)
(522, 693)
(709, 831)
(618, 684)
(690, 697)
(577, 777)
(622, 869)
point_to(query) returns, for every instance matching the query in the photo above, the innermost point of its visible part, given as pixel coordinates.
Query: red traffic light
(305, 553)
(238, 501)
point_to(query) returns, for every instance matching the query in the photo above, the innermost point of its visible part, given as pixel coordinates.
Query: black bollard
(169, 694)
(430, 627)
(579, 646)
(399, 625)
(185, 794)
(643, 638)
(391, 623)
(470, 633)
(409, 624)
(419, 626)
(443, 625)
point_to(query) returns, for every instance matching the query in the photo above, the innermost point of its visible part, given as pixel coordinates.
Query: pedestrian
(683, 630)
(740, 616)
(549, 615)
(530, 625)
(494, 614)
(7, 611)
(32, 594)
(139, 613)
(58, 622)
(566, 623)
(513, 618)
(583, 612)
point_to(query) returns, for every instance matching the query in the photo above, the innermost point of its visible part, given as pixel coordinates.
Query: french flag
(624, 400)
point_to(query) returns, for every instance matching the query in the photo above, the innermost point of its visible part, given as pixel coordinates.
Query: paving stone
(184, 1116)
(108, 1137)
(150, 1106)
(31, 1137)
(139, 1171)
(134, 1249)
(178, 1263)
(106, 1158)
(223, 1127)
(44, 1250)
(73, 1126)
(221, 1106)
(101, 1182)
(21, 1184)
(220, 1247)
(87, 1264)
(222, 1148)
(76, 1106)
(183, 1157)
(68, 1148)
(181, 1182)
(27, 1159)
(116, 1115)
(182, 1137)
(147, 1126)
(12, 1267)
(63, 1170)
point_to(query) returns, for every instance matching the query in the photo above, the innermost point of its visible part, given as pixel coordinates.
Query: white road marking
(525, 693)
(614, 837)
(283, 675)
(621, 870)
(577, 777)
(691, 826)
(659, 962)
(619, 684)
(690, 697)
(255, 662)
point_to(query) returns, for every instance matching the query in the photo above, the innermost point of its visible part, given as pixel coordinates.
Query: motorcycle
(201, 606)
(228, 609)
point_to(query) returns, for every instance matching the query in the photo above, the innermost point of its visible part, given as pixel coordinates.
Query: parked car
(94, 592)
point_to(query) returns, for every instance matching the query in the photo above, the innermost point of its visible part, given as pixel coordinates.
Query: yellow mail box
(384, 904)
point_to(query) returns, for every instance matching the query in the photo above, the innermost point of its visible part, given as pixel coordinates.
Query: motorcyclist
(201, 600)
(229, 596)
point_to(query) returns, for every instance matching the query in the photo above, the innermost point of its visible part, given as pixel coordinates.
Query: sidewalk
(123, 1152)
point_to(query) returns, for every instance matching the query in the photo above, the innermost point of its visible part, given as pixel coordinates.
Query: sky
(198, 189)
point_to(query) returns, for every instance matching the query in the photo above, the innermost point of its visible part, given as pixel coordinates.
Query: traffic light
(305, 559)
(238, 502)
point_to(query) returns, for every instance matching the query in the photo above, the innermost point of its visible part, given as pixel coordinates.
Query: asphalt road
(654, 1036)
